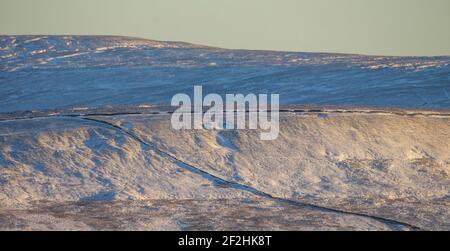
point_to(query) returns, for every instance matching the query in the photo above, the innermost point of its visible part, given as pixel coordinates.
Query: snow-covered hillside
(46, 72)
(85, 144)
(351, 169)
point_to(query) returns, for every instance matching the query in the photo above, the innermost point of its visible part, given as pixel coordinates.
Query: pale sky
(381, 27)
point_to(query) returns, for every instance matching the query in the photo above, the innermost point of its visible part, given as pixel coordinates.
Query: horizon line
(223, 48)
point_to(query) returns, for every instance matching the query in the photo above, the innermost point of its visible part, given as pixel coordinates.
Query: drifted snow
(88, 147)
(361, 164)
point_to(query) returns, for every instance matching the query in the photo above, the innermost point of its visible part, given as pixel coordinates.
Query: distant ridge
(53, 72)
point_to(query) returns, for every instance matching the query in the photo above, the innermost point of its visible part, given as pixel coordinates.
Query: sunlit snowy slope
(80, 150)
